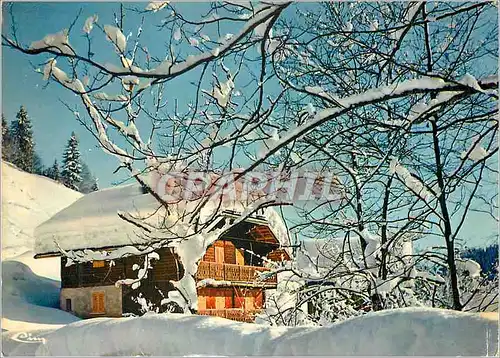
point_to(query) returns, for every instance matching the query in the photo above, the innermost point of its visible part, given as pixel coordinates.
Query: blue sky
(53, 123)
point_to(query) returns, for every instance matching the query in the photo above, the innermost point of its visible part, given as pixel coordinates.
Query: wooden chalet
(227, 277)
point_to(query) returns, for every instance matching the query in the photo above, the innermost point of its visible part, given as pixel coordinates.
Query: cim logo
(25, 337)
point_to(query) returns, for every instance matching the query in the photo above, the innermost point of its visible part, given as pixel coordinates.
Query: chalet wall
(278, 255)
(81, 301)
(86, 275)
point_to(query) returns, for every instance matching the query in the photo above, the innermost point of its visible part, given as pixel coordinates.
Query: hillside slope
(27, 201)
(30, 288)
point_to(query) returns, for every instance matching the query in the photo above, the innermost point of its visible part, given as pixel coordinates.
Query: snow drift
(27, 201)
(415, 331)
(30, 301)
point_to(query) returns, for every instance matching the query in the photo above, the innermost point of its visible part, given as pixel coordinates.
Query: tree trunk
(450, 249)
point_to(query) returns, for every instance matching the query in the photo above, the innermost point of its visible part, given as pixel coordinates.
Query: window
(310, 308)
(96, 264)
(98, 302)
(240, 259)
(68, 305)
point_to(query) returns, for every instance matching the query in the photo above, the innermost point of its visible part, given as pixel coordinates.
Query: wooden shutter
(219, 254)
(229, 302)
(220, 302)
(97, 263)
(202, 303)
(98, 302)
(240, 259)
(101, 302)
(210, 254)
(95, 303)
(249, 303)
(259, 300)
(239, 302)
(229, 254)
(210, 302)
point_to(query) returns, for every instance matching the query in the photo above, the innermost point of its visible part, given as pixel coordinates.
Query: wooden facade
(236, 260)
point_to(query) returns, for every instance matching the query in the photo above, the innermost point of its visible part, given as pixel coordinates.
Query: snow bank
(27, 201)
(15, 343)
(415, 331)
(30, 301)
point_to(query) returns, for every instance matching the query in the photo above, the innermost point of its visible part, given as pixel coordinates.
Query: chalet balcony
(237, 274)
(235, 314)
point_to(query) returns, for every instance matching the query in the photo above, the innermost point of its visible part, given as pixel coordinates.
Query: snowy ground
(30, 288)
(398, 332)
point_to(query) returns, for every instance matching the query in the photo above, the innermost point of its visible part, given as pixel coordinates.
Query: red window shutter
(259, 300)
(229, 302)
(210, 303)
(239, 302)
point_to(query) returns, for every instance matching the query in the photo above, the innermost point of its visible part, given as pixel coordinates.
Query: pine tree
(5, 130)
(95, 187)
(71, 164)
(6, 141)
(88, 183)
(53, 172)
(23, 145)
(38, 167)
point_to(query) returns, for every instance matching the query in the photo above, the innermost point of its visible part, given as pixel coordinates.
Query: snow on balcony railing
(235, 314)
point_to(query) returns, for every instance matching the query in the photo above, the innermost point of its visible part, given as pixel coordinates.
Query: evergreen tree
(53, 172)
(6, 141)
(23, 145)
(88, 183)
(72, 167)
(95, 187)
(5, 130)
(487, 257)
(38, 167)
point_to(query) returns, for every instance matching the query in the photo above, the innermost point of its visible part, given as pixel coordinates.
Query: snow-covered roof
(92, 221)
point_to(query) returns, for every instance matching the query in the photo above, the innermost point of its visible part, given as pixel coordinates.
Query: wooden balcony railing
(231, 272)
(235, 314)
